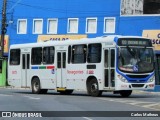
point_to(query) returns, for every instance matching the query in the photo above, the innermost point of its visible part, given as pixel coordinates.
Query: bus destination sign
(135, 42)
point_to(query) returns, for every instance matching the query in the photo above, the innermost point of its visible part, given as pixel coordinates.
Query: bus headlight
(151, 79)
(123, 79)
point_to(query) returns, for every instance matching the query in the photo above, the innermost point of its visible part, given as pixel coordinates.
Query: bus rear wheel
(36, 87)
(125, 93)
(93, 89)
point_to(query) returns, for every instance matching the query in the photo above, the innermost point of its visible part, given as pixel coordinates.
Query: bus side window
(69, 54)
(48, 55)
(106, 59)
(15, 57)
(112, 58)
(94, 53)
(79, 53)
(36, 56)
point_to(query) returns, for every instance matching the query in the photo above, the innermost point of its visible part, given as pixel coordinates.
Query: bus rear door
(25, 68)
(109, 68)
(61, 69)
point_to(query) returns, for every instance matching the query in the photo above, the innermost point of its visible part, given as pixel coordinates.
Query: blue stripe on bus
(34, 67)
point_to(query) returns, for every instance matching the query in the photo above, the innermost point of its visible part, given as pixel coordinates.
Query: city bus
(118, 64)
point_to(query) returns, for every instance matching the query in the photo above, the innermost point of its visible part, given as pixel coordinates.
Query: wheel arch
(34, 78)
(92, 86)
(89, 79)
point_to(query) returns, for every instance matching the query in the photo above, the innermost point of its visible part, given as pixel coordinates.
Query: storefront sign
(42, 38)
(6, 39)
(154, 35)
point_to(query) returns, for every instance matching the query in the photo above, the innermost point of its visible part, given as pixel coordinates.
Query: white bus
(109, 63)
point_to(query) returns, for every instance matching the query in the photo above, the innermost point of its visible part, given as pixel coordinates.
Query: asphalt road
(22, 100)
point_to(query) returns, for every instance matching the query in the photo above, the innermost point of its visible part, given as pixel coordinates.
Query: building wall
(126, 24)
(131, 17)
(62, 10)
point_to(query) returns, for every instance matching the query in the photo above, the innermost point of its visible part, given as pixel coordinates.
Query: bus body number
(14, 72)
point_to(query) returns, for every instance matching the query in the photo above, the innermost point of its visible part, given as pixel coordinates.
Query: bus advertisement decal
(35, 67)
(42, 67)
(74, 72)
(50, 67)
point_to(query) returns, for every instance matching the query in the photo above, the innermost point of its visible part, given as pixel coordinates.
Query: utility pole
(3, 28)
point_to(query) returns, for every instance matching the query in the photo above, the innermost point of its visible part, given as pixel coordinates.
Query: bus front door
(25, 67)
(109, 68)
(61, 69)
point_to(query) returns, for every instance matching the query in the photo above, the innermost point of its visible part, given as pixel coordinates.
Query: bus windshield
(135, 60)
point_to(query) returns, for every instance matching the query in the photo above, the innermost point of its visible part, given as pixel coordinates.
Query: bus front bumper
(136, 86)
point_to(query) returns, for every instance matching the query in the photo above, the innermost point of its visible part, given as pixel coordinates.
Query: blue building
(36, 20)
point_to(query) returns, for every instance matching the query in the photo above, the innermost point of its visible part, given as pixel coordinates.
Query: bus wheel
(36, 86)
(93, 89)
(125, 93)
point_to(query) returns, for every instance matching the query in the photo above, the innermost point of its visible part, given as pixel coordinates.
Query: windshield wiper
(129, 49)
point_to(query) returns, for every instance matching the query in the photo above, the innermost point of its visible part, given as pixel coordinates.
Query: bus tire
(93, 89)
(125, 93)
(36, 88)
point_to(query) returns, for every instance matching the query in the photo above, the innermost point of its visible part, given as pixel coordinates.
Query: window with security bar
(140, 7)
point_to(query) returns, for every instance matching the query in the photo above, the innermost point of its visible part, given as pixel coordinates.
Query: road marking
(156, 104)
(118, 100)
(5, 95)
(137, 102)
(34, 98)
(150, 105)
(87, 118)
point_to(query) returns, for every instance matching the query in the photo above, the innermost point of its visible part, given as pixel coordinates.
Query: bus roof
(102, 39)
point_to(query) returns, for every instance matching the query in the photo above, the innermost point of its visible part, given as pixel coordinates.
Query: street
(22, 100)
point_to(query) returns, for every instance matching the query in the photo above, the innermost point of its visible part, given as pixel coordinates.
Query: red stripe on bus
(50, 67)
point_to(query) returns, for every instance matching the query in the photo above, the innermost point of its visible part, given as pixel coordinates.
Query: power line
(85, 14)
(14, 6)
(62, 10)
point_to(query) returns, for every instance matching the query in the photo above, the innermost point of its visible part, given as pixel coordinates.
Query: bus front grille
(137, 76)
(137, 85)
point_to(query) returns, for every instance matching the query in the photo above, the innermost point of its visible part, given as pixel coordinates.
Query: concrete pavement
(134, 91)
